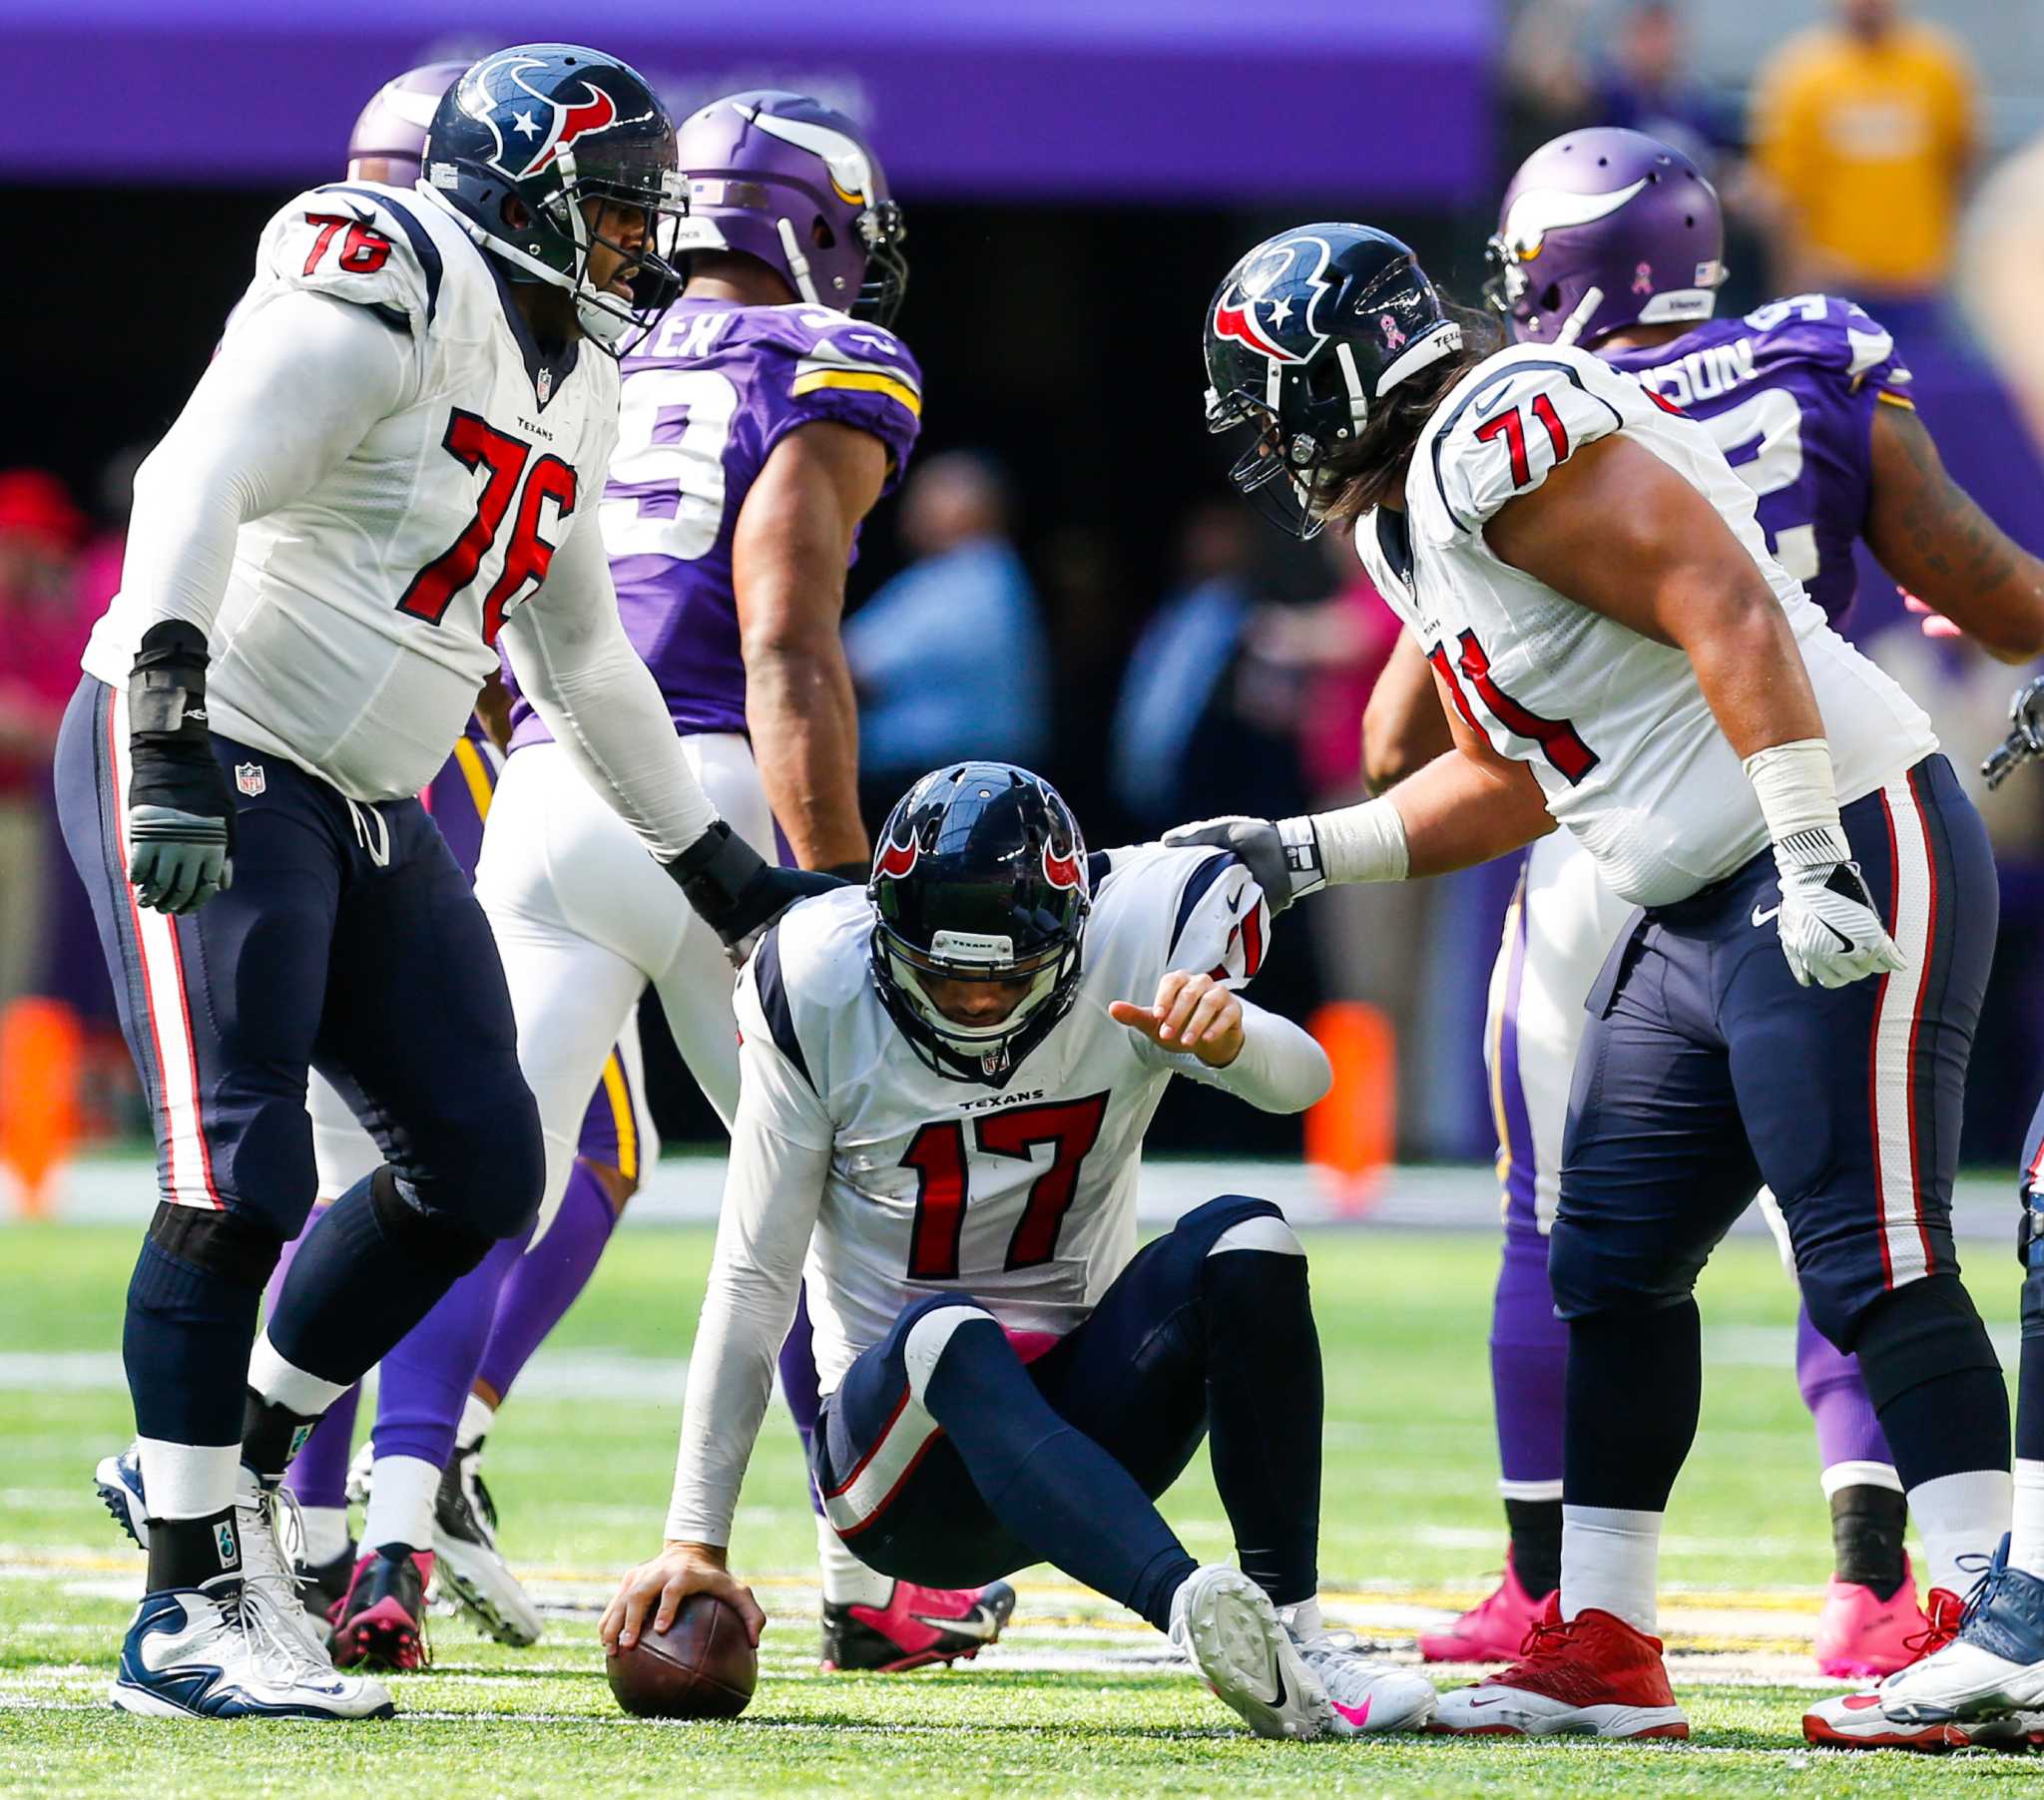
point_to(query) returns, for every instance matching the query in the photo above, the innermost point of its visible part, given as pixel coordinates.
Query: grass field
(1080, 1700)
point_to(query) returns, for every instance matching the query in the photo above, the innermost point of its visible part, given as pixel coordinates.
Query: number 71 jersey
(1613, 724)
(1022, 1196)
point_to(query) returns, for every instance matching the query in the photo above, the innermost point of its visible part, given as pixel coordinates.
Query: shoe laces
(270, 1627)
(1546, 1639)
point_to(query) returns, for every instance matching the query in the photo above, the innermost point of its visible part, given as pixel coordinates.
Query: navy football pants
(1002, 1464)
(350, 941)
(1706, 1071)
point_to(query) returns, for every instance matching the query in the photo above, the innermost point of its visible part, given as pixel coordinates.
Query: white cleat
(1366, 1695)
(226, 1650)
(1983, 1687)
(1224, 1623)
(268, 1563)
(466, 1560)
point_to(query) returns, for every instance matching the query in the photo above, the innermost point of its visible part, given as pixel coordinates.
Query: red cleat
(1493, 1630)
(918, 1625)
(1593, 1677)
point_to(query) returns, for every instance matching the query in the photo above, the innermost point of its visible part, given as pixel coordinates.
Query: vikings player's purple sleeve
(1789, 393)
(705, 400)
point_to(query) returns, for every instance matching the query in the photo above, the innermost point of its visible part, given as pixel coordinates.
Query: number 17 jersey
(1022, 1196)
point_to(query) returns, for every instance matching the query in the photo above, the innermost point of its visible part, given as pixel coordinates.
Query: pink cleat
(1861, 1636)
(1492, 1631)
(918, 1625)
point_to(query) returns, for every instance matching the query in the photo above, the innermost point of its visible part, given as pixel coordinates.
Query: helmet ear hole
(1323, 379)
(821, 236)
(1550, 298)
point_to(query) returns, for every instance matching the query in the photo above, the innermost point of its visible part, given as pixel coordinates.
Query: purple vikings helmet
(783, 178)
(391, 132)
(1600, 229)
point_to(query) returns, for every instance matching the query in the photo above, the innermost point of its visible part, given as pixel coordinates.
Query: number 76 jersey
(1614, 726)
(1023, 1196)
(360, 617)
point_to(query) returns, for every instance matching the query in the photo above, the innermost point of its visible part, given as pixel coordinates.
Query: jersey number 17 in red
(943, 1180)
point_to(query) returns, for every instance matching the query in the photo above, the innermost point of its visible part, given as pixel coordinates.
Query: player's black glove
(181, 811)
(738, 892)
(1283, 855)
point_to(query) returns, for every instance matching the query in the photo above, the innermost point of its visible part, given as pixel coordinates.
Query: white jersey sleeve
(234, 454)
(574, 664)
(1509, 433)
(349, 244)
(773, 1188)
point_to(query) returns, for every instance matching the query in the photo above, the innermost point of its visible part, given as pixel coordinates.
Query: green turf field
(1081, 1700)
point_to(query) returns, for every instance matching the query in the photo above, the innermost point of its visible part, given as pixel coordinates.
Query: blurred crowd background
(1065, 578)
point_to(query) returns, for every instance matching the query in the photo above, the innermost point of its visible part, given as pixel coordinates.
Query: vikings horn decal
(1062, 871)
(1247, 313)
(896, 859)
(544, 127)
(1541, 209)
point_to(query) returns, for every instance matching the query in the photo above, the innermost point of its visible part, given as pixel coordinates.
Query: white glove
(1283, 855)
(1829, 930)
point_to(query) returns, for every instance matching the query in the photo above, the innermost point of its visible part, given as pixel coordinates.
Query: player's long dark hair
(1355, 478)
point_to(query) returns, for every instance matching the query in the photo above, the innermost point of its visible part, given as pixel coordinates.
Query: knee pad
(1213, 1219)
(1918, 1333)
(439, 1243)
(226, 1243)
(929, 1335)
(1587, 1280)
(1260, 1232)
(486, 1179)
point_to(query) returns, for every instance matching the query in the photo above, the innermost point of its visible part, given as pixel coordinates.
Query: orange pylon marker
(40, 1046)
(1351, 1134)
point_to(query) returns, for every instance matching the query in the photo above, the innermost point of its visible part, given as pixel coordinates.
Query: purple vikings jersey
(706, 399)
(1789, 393)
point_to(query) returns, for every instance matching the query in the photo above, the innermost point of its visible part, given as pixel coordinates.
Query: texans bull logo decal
(1062, 871)
(546, 127)
(1252, 308)
(896, 859)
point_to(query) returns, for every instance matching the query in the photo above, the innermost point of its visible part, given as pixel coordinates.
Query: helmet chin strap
(1572, 326)
(798, 263)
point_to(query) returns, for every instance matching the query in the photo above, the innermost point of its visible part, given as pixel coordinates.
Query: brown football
(702, 1667)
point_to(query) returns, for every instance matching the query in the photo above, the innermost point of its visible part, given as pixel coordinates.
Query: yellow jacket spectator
(1864, 130)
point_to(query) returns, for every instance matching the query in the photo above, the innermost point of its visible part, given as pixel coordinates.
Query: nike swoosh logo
(1358, 1717)
(1234, 900)
(1485, 402)
(1494, 1701)
(1277, 1700)
(1761, 918)
(1844, 943)
(979, 1624)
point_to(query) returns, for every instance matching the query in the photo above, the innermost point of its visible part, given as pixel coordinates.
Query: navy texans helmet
(980, 876)
(550, 127)
(1306, 332)
(388, 143)
(785, 179)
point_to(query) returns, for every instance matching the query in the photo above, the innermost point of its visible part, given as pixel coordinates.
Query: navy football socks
(1050, 1485)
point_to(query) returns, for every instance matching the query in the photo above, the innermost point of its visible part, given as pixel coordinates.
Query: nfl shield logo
(543, 384)
(248, 777)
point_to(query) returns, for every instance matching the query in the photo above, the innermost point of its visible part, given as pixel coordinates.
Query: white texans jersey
(1023, 1195)
(358, 622)
(1614, 726)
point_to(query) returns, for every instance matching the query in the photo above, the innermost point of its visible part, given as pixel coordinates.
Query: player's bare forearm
(803, 719)
(1462, 809)
(1933, 537)
(1617, 529)
(789, 555)
(1403, 726)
